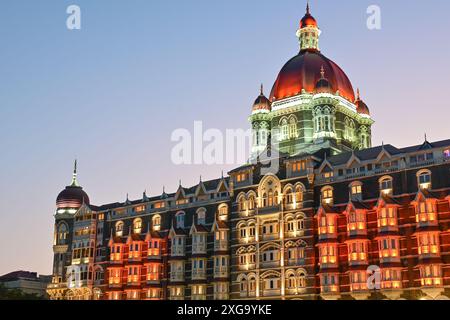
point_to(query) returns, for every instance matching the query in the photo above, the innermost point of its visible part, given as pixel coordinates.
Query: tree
(16, 294)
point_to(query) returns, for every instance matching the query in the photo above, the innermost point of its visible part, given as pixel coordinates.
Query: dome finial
(262, 89)
(322, 72)
(74, 175)
(307, 7)
(358, 95)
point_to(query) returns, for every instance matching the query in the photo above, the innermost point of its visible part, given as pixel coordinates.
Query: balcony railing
(220, 245)
(220, 272)
(199, 248)
(198, 274)
(177, 276)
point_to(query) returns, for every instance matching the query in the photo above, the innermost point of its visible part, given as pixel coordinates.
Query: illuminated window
(357, 251)
(292, 127)
(356, 191)
(116, 252)
(223, 212)
(358, 281)
(299, 166)
(391, 278)
(159, 205)
(328, 254)
(134, 250)
(241, 203)
(298, 194)
(431, 275)
(425, 212)
(119, 229)
(134, 274)
(428, 243)
(389, 248)
(329, 283)
(424, 179)
(327, 225)
(284, 130)
(156, 222)
(387, 217)
(241, 177)
(356, 221)
(139, 209)
(327, 195)
(251, 203)
(137, 225)
(154, 247)
(386, 186)
(289, 197)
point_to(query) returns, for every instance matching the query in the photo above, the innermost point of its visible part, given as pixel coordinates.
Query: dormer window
(156, 222)
(201, 216)
(241, 177)
(327, 195)
(327, 225)
(180, 220)
(119, 229)
(424, 179)
(356, 191)
(386, 186)
(137, 226)
(223, 212)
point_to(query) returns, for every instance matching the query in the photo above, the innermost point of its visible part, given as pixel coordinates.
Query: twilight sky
(111, 93)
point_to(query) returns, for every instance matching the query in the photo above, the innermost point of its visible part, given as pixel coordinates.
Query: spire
(426, 139)
(307, 7)
(262, 89)
(74, 175)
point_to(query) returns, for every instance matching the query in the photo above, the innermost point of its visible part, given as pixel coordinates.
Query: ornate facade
(338, 219)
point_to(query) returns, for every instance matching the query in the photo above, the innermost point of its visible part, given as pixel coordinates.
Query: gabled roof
(198, 228)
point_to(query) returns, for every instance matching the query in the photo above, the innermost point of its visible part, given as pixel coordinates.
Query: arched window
(62, 233)
(270, 199)
(349, 129)
(156, 222)
(251, 202)
(327, 195)
(119, 229)
(298, 194)
(292, 128)
(356, 191)
(289, 197)
(424, 179)
(284, 130)
(301, 280)
(137, 225)
(241, 203)
(223, 212)
(201, 216)
(386, 185)
(180, 219)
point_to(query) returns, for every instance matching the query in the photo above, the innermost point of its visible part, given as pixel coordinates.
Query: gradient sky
(112, 93)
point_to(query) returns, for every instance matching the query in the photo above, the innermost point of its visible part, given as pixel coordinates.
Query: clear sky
(111, 93)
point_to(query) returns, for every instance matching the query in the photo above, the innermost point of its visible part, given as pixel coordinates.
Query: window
(284, 130)
(425, 212)
(329, 283)
(327, 195)
(327, 225)
(201, 216)
(223, 212)
(328, 254)
(356, 221)
(62, 234)
(241, 203)
(298, 195)
(431, 275)
(251, 203)
(387, 217)
(356, 191)
(386, 186)
(299, 166)
(424, 179)
(156, 222)
(388, 248)
(428, 243)
(447, 154)
(137, 225)
(119, 229)
(241, 177)
(180, 219)
(292, 128)
(357, 251)
(358, 281)
(391, 278)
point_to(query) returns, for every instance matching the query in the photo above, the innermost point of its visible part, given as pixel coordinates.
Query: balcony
(199, 248)
(220, 245)
(269, 210)
(248, 266)
(269, 264)
(271, 292)
(270, 237)
(198, 274)
(177, 276)
(177, 251)
(220, 272)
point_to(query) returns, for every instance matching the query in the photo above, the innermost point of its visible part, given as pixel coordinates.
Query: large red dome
(304, 70)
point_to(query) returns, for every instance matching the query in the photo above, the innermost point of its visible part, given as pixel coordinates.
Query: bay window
(428, 243)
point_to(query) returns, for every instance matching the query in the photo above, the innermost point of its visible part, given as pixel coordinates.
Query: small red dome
(262, 103)
(308, 21)
(301, 73)
(361, 106)
(72, 197)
